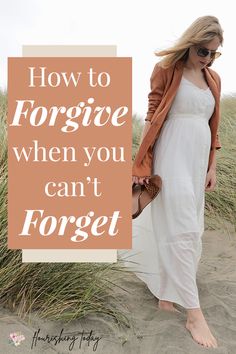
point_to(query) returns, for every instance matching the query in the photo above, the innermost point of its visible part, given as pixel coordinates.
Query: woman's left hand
(210, 181)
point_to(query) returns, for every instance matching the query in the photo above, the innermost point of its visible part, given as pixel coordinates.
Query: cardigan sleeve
(157, 83)
(156, 93)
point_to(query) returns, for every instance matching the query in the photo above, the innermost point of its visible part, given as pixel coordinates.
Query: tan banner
(55, 255)
(69, 146)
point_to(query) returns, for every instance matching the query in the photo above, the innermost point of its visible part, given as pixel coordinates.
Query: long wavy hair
(202, 30)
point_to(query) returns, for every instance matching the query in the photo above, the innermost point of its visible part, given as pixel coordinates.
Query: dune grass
(221, 204)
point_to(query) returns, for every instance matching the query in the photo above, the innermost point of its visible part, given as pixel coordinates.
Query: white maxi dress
(166, 236)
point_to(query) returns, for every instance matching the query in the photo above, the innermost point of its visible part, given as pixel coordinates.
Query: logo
(16, 338)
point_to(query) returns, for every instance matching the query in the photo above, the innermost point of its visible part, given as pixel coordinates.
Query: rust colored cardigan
(164, 85)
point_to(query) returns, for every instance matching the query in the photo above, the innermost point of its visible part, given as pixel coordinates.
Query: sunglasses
(204, 52)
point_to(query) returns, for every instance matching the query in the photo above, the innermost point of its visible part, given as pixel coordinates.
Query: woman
(179, 143)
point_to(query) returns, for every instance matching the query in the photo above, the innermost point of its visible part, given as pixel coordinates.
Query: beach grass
(221, 204)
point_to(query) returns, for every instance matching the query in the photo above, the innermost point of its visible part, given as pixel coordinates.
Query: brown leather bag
(143, 194)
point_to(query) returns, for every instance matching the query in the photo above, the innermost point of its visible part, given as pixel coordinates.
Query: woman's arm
(145, 130)
(157, 85)
(210, 182)
(212, 166)
(155, 95)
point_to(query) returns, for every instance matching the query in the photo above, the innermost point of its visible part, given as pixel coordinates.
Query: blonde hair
(202, 30)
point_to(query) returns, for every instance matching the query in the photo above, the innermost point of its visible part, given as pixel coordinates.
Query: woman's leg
(167, 305)
(199, 329)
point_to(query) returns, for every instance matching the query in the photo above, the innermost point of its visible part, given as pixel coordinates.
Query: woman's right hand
(139, 180)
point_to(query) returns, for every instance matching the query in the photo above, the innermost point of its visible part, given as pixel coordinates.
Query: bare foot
(167, 305)
(197, 326)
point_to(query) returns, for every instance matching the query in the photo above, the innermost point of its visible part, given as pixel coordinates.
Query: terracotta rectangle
(27, 180)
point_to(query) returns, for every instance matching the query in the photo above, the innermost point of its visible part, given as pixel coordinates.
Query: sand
(152, 330)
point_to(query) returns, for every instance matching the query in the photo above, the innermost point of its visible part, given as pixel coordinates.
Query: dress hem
(167, 298)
